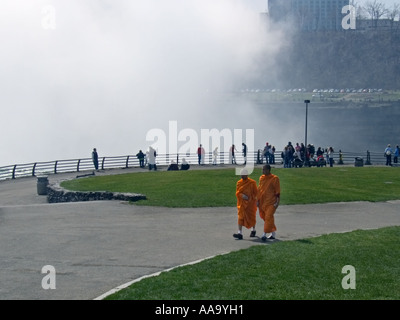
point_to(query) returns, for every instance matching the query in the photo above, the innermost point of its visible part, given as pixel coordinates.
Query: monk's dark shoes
(238, 236)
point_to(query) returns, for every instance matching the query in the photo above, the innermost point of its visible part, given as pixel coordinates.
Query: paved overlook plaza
(97, 246)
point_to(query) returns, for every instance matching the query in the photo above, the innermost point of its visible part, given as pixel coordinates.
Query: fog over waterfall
(118, 75)
(83, 74)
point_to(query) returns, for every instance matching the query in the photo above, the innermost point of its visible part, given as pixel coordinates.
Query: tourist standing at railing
(244, 150)
(266, 152)
(330, 156)
(215, 156)
(297, 150)
(388, 155)
(201, 153)
(269, 153)
(140, 156)
(320, 153)
(396, 154)
(310, 151)
(341, 157)
(95, 159)
(327, 155)
(232, 156)
(302, 152)
(152, 159)
(272, 155)
(286, 156)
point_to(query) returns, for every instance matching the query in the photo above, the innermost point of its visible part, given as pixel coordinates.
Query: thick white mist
(103, 73)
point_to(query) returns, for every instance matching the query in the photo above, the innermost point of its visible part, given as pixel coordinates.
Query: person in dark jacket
(95, 159)
(140, 156)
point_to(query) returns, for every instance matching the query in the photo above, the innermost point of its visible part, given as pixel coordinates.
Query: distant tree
(392, 14)
(375, 10)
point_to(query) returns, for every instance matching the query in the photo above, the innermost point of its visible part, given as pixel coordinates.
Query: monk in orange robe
(268, 197)
(246, 194)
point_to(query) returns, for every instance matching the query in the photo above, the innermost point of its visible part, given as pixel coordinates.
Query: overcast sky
(388, 3)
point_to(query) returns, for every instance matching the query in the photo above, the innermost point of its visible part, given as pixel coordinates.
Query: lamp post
(305, 138)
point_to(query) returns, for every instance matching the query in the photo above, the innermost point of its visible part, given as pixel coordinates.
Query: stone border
(57, 194)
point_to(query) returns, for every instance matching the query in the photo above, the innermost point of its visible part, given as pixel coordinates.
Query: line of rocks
(57, 194)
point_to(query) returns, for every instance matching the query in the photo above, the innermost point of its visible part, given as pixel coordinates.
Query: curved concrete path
(97, 246)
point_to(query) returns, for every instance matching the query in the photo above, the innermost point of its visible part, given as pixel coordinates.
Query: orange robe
(268, 190)
(247, 209)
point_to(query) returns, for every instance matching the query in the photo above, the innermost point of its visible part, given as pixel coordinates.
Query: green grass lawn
(292, 270)
(216, 188)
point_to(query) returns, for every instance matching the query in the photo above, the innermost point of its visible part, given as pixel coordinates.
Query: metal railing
(131, 161)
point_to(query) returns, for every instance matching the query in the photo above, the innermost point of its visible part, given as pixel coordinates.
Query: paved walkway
(97, 246)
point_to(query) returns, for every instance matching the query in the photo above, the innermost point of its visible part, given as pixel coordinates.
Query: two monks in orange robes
(266, 197)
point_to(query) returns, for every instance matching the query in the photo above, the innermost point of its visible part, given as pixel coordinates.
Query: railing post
(13, 172)
(102, 163)
(127, 161)
(368, 162)
(77, 166)
(33, 169)
(55, 167)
